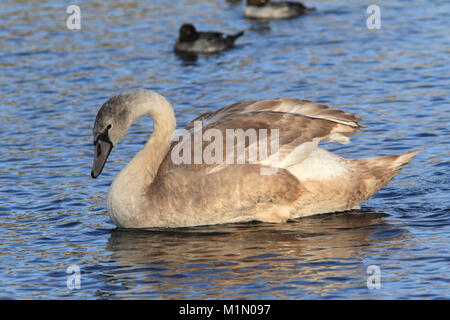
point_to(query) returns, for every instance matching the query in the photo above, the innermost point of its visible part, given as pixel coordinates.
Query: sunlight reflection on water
(53, 215)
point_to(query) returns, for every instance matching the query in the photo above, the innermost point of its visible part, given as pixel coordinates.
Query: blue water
(53, 215)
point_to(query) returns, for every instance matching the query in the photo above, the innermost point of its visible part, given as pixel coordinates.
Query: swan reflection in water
(308, 256)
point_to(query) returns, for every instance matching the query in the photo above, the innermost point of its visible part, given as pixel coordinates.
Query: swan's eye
(109, 126)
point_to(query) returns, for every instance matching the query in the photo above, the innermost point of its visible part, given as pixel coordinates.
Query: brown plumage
(155, 190)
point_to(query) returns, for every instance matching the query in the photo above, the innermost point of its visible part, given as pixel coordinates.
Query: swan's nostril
(99, 150)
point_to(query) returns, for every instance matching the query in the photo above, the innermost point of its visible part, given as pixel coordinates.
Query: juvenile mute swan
(156, 189)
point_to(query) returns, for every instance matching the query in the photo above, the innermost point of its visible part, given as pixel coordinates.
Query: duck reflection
(187, 57)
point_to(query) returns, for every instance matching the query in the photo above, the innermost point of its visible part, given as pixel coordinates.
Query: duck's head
(188, 33)
(112, 121)
(256, 2)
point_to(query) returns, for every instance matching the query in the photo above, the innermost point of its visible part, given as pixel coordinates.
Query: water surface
(52, 214)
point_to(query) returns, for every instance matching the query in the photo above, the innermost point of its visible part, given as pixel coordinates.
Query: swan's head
(112, 121)
(118, 113)
(188, 33)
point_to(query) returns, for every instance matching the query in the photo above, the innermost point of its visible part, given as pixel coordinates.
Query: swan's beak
(102, 150)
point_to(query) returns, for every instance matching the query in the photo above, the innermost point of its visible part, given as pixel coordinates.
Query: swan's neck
(144, 166)
(127, 192)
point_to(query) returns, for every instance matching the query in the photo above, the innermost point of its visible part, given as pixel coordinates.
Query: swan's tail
(378, 171)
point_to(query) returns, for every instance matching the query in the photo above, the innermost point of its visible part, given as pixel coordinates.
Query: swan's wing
(289, 105)
(220, 188)
(297, 125)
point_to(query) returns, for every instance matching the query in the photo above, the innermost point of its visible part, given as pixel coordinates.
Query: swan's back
(300, 179)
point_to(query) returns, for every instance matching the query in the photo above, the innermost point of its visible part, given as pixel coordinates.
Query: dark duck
(192, 41)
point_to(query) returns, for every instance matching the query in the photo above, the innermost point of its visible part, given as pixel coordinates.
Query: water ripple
(52, 214)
